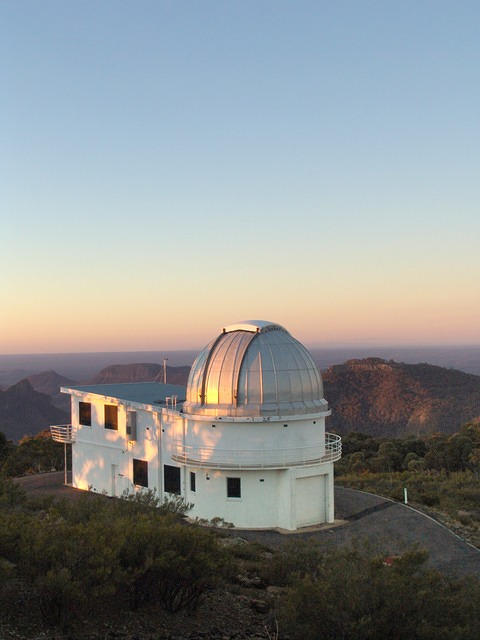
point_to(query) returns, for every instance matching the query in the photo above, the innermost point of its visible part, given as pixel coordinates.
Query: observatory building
(245, 441)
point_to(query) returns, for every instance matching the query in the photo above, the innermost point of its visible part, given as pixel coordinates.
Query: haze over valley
(82, 367)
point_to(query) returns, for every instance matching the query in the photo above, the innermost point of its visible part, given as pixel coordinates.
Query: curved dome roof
(254, 368)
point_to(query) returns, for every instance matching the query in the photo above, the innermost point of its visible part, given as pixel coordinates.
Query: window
(132, 425)
(140, 472)
(193, 481)
(233, 488)
(85, 414)
(111, 416)
(171, 478)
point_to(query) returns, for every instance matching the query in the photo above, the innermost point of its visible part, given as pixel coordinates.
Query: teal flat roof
(143, 392)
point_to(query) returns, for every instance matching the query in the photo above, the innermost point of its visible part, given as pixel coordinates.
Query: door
(310, 500)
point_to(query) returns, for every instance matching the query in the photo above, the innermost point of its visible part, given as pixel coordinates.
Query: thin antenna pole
(165, 370)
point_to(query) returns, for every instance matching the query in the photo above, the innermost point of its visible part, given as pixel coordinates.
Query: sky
(167, 168)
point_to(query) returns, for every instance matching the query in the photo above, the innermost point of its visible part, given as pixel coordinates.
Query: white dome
(254, 368)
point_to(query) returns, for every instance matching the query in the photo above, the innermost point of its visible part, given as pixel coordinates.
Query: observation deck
(63, 433)
(215, 458)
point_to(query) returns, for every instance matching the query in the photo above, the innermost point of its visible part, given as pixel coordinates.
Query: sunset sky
(171, 167)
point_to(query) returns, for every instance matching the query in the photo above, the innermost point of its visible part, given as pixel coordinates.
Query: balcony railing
(215, 458)
(64, 433)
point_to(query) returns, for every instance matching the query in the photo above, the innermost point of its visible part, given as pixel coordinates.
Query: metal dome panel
(254, 368)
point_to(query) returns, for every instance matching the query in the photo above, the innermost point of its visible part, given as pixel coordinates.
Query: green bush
(354, 596)
(34, 455)
(11, 494)
(92, 552)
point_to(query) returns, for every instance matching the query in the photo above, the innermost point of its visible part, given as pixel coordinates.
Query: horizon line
(340, 345)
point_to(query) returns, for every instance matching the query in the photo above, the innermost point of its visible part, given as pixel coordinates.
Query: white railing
(216, 458)
(63, 433)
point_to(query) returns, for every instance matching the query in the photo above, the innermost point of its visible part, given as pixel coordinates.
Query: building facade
(245, 441)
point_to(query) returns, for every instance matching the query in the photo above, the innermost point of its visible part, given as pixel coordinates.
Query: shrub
(175, 564)
(11, 494)
(355, 596)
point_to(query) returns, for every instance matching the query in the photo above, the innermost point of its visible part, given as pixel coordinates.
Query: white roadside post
(405, 495)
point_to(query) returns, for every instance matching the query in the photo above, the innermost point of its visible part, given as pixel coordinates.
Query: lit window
(140, 472)
(233, 488)
(85, 414)
(111, 416)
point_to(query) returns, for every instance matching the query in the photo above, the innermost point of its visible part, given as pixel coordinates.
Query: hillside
(379, 397)
(26, 411)
(49, 382)
(389, 398)
(141, 372)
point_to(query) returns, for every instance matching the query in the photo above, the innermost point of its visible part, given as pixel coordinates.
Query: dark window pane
(233, 488)
(140, 472)
(193, 481)
(85, 414)
(111, 416)
(171, 478)
(132, 425)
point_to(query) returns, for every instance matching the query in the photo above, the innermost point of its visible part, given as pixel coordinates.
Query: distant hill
(26, 411)
(49, 382)
(372, 395)
(389, 398)
(141, 372)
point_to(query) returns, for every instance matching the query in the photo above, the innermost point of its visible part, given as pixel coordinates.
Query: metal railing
(215, 458)
(63, 433)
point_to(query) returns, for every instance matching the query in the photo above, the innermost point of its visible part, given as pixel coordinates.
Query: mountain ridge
(388, 398)
(141, 372)
(24, 411)
(379, 397)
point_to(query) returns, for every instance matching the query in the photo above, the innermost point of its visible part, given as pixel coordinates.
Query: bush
(355, 596)
(11, 494)
(59, 597)
(173, 563)
(74, 557)
(34, 455)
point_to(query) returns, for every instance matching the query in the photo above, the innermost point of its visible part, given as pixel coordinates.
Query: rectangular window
(140, 472)
(85, 414)
(132, 425)
(171, 478)
(193, 481)
(111, 416)
(233, 488)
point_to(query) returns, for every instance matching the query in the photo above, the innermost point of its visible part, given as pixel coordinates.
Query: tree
(33, 455)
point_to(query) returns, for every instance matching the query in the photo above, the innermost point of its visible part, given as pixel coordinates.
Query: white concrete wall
(251, 435)
(268, 496)
(257, 507)
(96, 448)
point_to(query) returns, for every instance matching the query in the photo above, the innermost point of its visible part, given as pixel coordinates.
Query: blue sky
(169, 167)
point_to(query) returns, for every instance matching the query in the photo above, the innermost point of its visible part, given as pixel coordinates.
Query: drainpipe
(184, 463)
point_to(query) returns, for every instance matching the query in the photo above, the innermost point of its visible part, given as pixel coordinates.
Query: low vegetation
(101, 568)
(441, 473)
(33, 454)
(70, 558)
(353, 595)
